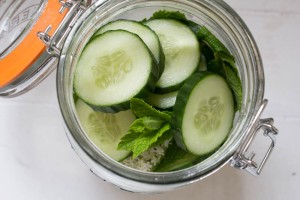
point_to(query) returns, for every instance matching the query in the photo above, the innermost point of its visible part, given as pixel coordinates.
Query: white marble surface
(37, 162)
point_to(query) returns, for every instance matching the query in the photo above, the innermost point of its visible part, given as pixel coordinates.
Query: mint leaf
(151, 128)
(138, 142)
(151, 123)
(138, 127)
(211, 40)
(207, 52)
(141, 109)
(164, 14)
(127, 142)
(146, 124)
(176, 158)
(166, 136)
(145, 141)
(226, 58)
(220, 61)
(235, 84)
(225, 66)
(216, 66)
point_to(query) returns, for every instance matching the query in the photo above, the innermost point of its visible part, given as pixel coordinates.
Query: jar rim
(252, 100)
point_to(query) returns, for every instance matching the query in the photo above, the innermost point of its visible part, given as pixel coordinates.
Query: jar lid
(20, 21)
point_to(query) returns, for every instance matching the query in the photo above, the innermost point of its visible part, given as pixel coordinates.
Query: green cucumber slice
(113, 68)
(203, 113)
(105, 129)
(144, 32)
(182, 52)
(162, 101)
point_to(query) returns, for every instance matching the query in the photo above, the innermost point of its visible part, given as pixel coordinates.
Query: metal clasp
(240, 160)
(54, 43)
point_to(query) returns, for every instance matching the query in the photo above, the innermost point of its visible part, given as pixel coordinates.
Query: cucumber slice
(144, 32)
(113, 68)
(182, 52)
(105, 129)
(203, 113)
(162, 101)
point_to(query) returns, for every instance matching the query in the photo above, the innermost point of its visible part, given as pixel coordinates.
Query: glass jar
(64, 40)
(229, 27)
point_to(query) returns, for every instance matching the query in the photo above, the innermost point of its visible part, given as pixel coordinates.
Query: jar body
(225, 24)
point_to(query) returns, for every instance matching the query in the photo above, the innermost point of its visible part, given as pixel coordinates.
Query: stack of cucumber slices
(156, 95)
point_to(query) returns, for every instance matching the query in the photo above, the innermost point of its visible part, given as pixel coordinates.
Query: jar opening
(223, 22)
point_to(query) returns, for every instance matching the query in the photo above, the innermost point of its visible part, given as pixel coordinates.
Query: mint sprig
(205, 36)
(141, 109)
(223, 65)
(221, 62)
(165, 14)
(151, 128)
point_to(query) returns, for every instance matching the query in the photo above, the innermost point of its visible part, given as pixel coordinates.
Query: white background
(37, 162)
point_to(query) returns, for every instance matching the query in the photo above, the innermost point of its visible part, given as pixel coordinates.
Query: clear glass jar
(226, 25)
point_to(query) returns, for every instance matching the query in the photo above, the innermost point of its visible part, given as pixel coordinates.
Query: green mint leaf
(166, 136)
(204, 35)
(152, 123)
(207, 52)
(127, 141)
(220, 61)
(164, 14)
(235, 84)
(225, 67)
(145, 141)
(216, 66)
(226, 58)
(138, 142)
(141, 109)
(138, 127)
(232, 77)
(146, 124)
(176, 158)
(143, 20)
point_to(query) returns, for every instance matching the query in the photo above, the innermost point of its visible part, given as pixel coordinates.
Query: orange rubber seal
(31, 47)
